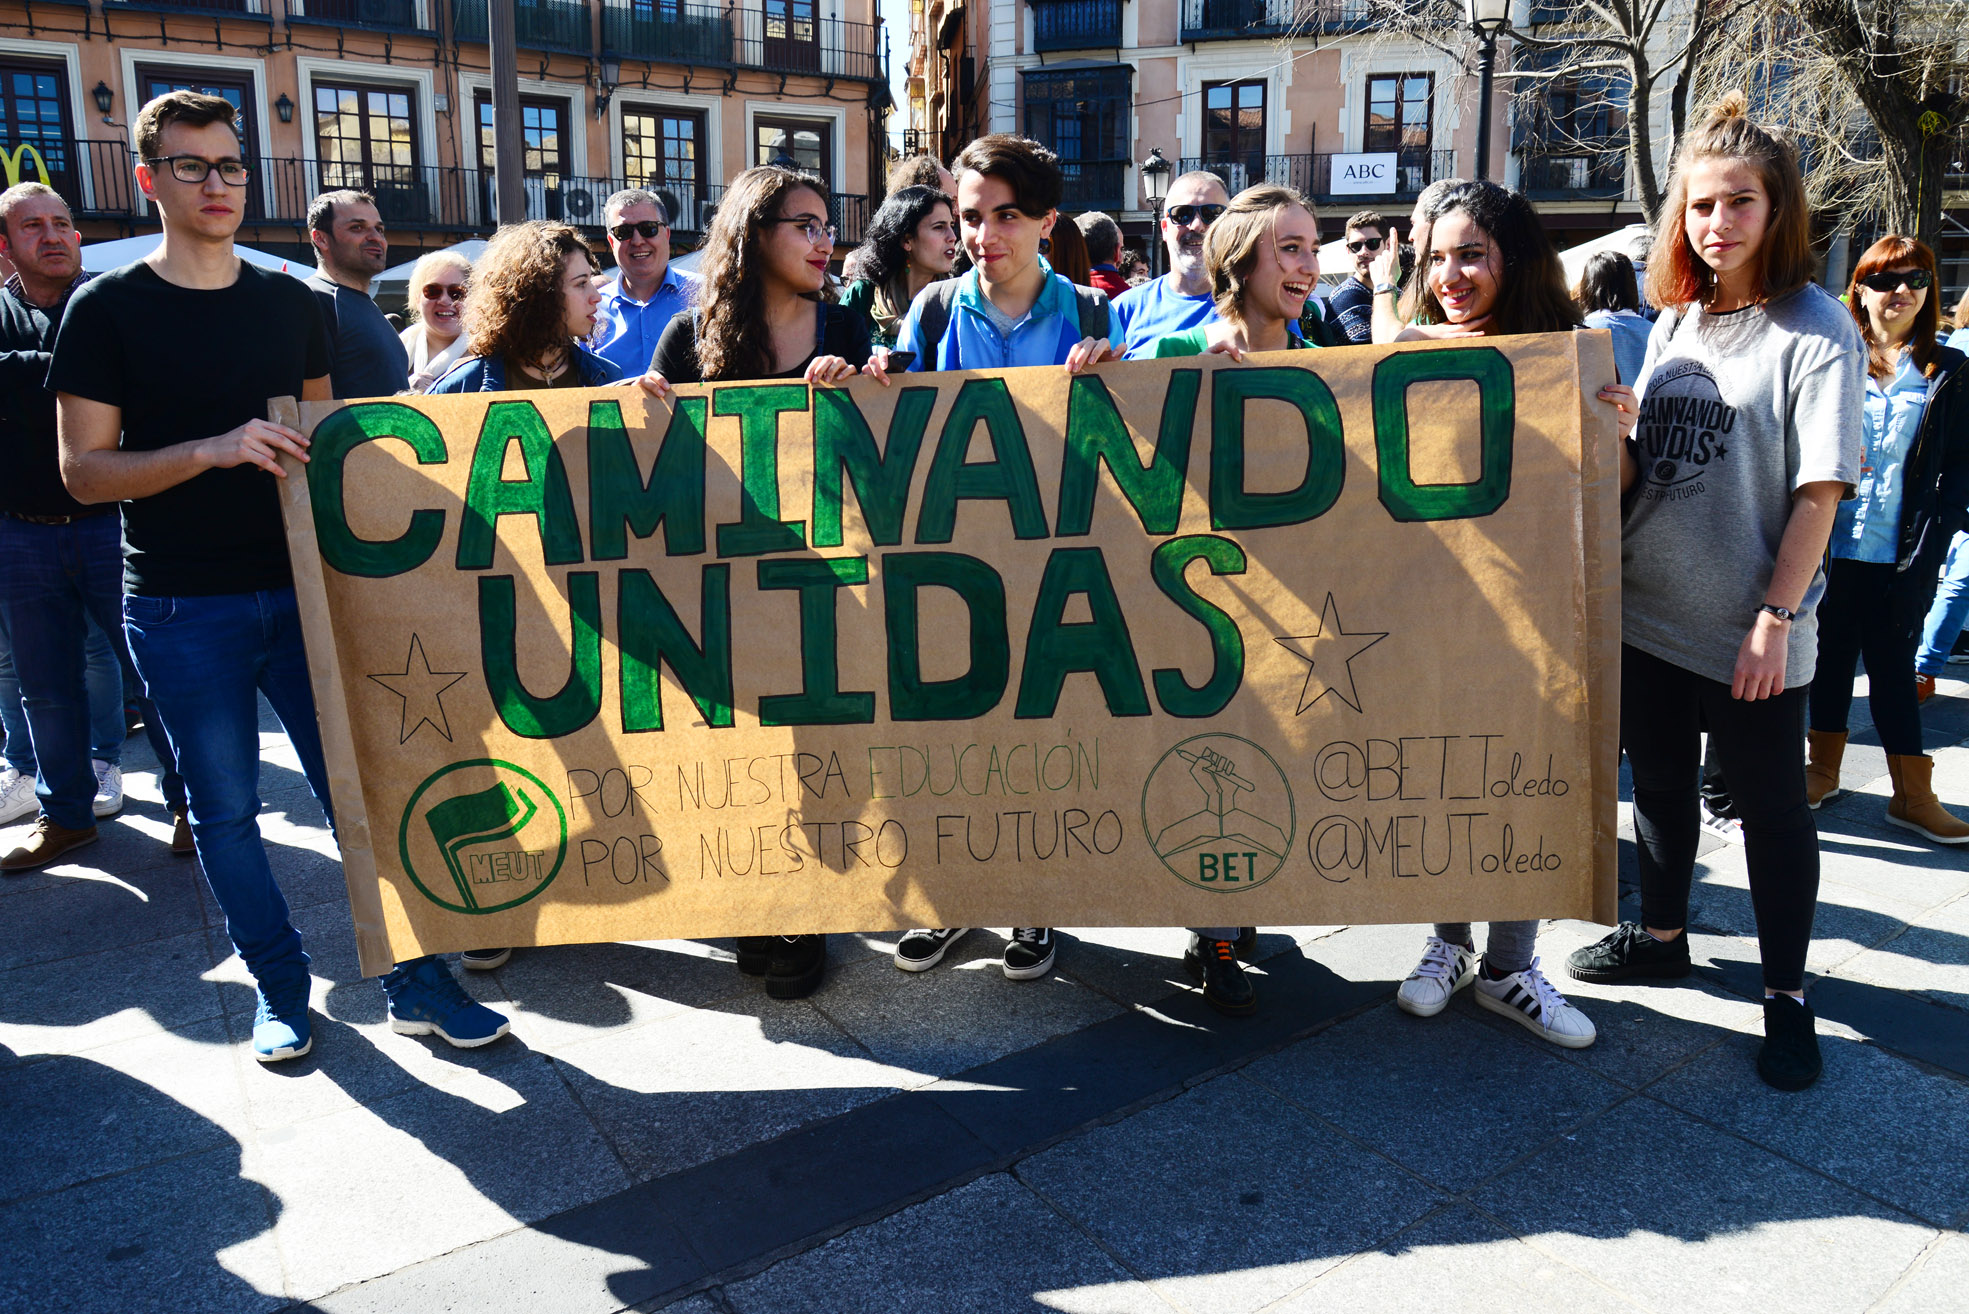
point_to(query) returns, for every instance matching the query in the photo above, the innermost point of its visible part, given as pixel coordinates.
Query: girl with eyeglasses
(1889, 540)
(1750, 415)
(765, 307)
(911, 243)
(436, 338)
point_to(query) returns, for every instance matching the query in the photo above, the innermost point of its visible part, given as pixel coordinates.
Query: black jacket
(1935, 503)
(30, 466)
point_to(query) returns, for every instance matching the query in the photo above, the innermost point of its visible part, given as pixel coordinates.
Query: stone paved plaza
(658, 1135)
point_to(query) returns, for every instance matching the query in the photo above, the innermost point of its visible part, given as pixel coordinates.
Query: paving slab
(1227, 1198)
(567, 994)
(78, 910)
(1936, 1284)
(1680, 1216)
(1446, 1096)
(1874, 1121)
(82, 1003)
(987, 1247)
(1456, 1250)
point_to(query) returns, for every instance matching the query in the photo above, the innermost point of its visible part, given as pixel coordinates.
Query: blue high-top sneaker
(280, 1023)
(426, 999)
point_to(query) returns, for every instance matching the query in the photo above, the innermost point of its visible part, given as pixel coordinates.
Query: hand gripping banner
(1326, 637)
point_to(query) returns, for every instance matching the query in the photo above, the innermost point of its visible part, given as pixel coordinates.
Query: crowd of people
(1801, 526)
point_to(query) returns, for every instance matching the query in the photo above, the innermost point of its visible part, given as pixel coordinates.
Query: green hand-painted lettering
(651, 632)
(1056, 649)
(620, 503)
(1232, 505)
(1497, 408)
(1168, 566)
(758, 528)
(580, 698)
(1008, 477)
(543, 494)
(842, 441)
(1096, 434)
(978, 690)
(336, 437)
(821, 700)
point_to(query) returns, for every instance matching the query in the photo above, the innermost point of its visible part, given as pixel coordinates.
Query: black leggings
(1856, 618)
(1663, 711)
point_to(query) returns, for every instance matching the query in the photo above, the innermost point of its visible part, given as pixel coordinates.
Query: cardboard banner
(1327, 637)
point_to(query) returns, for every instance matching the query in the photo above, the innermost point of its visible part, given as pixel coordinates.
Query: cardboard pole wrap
(1325, 637)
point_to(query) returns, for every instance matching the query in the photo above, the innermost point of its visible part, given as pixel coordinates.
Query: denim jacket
(484, 374)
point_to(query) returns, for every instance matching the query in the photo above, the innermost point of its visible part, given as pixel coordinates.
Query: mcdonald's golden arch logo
(11, 160)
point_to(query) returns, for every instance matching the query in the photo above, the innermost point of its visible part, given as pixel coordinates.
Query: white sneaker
(1529, 998)
(1445, 969)
(16, 796)
(109, 789)
(1727, 829)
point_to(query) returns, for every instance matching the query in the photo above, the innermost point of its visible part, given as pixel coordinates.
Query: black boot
(797, 965)
(1790, 1057)
(755, 953)
(1225, 986)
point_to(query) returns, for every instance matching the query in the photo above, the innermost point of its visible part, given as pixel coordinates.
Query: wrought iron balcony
(260, 9)
(1075, 24)
(1093, 185)
(1229, 20)
(1311, 175)
(376, 15)
(1572, 173)
(737, 36)
(537, 24)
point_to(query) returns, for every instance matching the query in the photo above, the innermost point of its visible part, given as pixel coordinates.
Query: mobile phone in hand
(900, 361)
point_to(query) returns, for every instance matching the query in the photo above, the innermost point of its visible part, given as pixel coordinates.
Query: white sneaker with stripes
(1528, 998)
(1445, 969)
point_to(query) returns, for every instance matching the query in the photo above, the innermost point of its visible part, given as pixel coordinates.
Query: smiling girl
(1888, 542)
(435, 340)
(1262, 259)
(1750, 416)
(1489, 270)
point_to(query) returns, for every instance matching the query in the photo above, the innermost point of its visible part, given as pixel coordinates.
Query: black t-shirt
(843, 333)
(30, 465)
(366, 358)
(185, 364)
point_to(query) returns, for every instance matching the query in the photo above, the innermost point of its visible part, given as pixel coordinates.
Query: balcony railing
(261, 9)
(378, 15)
(94, 177)
(734, 36)
(537, 24)
(1311, 175)
(1226, 20)
(1577, 175)
(1093, 185)
(1075, 24)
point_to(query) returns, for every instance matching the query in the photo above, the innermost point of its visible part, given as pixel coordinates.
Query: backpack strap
(940, 297)
(1093, 311)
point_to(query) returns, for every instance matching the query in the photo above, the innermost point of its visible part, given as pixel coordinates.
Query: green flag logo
(482, 836)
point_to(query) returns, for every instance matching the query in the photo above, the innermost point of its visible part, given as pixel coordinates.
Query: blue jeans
(1949, 612)
(203, 659)
(58, 578)
(16, 745)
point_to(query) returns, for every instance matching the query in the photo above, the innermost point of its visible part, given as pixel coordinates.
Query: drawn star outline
(1329, 652)
(421, 689)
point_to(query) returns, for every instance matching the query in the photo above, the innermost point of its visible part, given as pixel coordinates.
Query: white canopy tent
(101, 257)
(396, 279)
(1631, 241)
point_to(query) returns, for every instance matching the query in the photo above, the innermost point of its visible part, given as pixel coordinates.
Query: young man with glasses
(645, 294)
(162, 372)
(1180, 299)
(1352, 305)
(366, 358)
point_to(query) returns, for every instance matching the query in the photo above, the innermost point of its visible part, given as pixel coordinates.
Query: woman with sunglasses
(911, 243)
(1889, 540)
(436, 336)
(765, 311)
(1748, 434)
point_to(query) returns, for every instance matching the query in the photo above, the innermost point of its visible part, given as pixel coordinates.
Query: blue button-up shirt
(1868, 527)
(626, 330)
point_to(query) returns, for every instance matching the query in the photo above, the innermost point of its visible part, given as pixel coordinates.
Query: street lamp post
(1487, 18)
(1155, 186)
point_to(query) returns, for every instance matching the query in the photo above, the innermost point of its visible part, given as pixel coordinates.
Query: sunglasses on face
(646, 228)
(1914, 279)
(1365, 244)
(1185, 215)
(438, 291)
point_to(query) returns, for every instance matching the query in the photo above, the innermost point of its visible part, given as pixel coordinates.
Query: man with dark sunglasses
(162, 373)
(1352, 304)
(646, 293)
(1180, 299)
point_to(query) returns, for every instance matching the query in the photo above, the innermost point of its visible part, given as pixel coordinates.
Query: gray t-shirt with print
(1738, 411)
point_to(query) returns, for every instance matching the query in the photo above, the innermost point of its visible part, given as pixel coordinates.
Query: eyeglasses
(195, 169)
(439, 291)
(1365, 244)
(813, 228)
(647, 228)
(1888, 280)
(1185, 215)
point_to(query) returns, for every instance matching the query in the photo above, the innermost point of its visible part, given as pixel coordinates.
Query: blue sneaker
(280, 1023)
(425, 999)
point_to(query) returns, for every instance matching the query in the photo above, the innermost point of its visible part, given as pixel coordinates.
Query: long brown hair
(733, 339)
(516, 310)
(1896, 252)
(1230, 246)
(1676, 272)
(1532, 296)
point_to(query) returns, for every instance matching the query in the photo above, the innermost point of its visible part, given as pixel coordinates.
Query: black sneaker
(484, 960)
(1790, 1058)
(1246, 943)
(919, 951)
(1630, 954)
(1225, 987)
(1029, 953)
(755, 953)
(796, 966)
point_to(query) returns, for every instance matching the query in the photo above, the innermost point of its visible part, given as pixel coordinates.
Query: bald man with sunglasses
(1180, 299)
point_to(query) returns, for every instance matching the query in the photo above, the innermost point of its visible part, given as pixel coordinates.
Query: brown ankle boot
(1914, 804)
(47, 842)
(1823, 753)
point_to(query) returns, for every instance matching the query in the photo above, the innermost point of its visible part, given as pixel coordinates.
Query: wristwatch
(1782, 613)
(1383, 289)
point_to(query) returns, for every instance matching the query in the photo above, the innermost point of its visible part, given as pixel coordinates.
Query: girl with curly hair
(764, 310)
(911, 243)
(534, 295)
